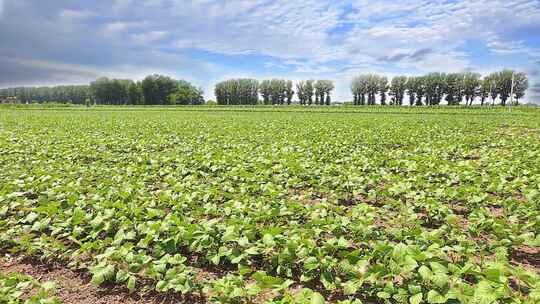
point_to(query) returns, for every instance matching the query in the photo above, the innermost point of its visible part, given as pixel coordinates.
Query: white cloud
(119, 26)
(53, 72)
(57, 67)
(115, 30)
(511, 47)
(148, 37)
(76, 15)
(24, 71)
(304, 38)
(121, 4)
(310, 30)
(285, 29)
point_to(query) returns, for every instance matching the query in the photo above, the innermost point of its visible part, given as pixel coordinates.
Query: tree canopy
(76, 94)
(367, 89)
(433, 88)
(154, 89)
(242, 91)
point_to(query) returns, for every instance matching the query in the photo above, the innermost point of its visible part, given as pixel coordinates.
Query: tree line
(434, 88)
(367, 89)
(152, 90)
(76, 94)
(246, 91)
(237, 92)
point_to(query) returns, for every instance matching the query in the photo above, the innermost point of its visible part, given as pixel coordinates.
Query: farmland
(277, 205)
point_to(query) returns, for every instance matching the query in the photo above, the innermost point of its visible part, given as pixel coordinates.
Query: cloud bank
(49, 42)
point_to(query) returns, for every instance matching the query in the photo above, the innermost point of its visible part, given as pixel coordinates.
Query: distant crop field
(275, 205)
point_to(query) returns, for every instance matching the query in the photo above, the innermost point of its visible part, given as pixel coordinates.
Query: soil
(527, 256)
(74, 287)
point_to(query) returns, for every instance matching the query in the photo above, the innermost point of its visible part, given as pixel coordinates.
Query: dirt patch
(496, 211)
(429, 222)
(481, 259)
(385, 224)
(203, 276)
(482, 239)
(463, 223)
(305, 196)
(460, 209)
(471, 157)
(74, 287)
(308, 201)
(361, 198)
(527, 256)
(432, 224)
(520, 197)
(391, 220)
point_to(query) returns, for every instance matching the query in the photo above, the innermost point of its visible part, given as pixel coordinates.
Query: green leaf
(160, 286)
(237, 259)
(48, 286)
(535, 292)
(131, 283)
(121, 276)
(252, 251)
(311, 263)
(434, 297)
(409, 263)
(484, 293)
(495, 274)
(425, 273)
(265, 280)
(98, 278)
(317, 298)
(268, 240)
(416, 299)
(253, 289)
(440, 280)
(438, 267)
(384, 295)
(343, 243)
(31, 217)
(414, 289)
(351, 287)
(101, 274)
(215, 259)
(328, 280)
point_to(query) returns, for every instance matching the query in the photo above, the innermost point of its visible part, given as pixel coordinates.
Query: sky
(204, 42)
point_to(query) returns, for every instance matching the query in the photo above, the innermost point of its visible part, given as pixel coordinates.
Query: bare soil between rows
(74, 287)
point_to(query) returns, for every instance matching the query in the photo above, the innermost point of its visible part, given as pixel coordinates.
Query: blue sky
(204, 41)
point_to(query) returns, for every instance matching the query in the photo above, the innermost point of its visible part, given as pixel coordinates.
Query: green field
(280, 205)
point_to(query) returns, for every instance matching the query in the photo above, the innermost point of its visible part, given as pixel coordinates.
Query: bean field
(274, 205)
